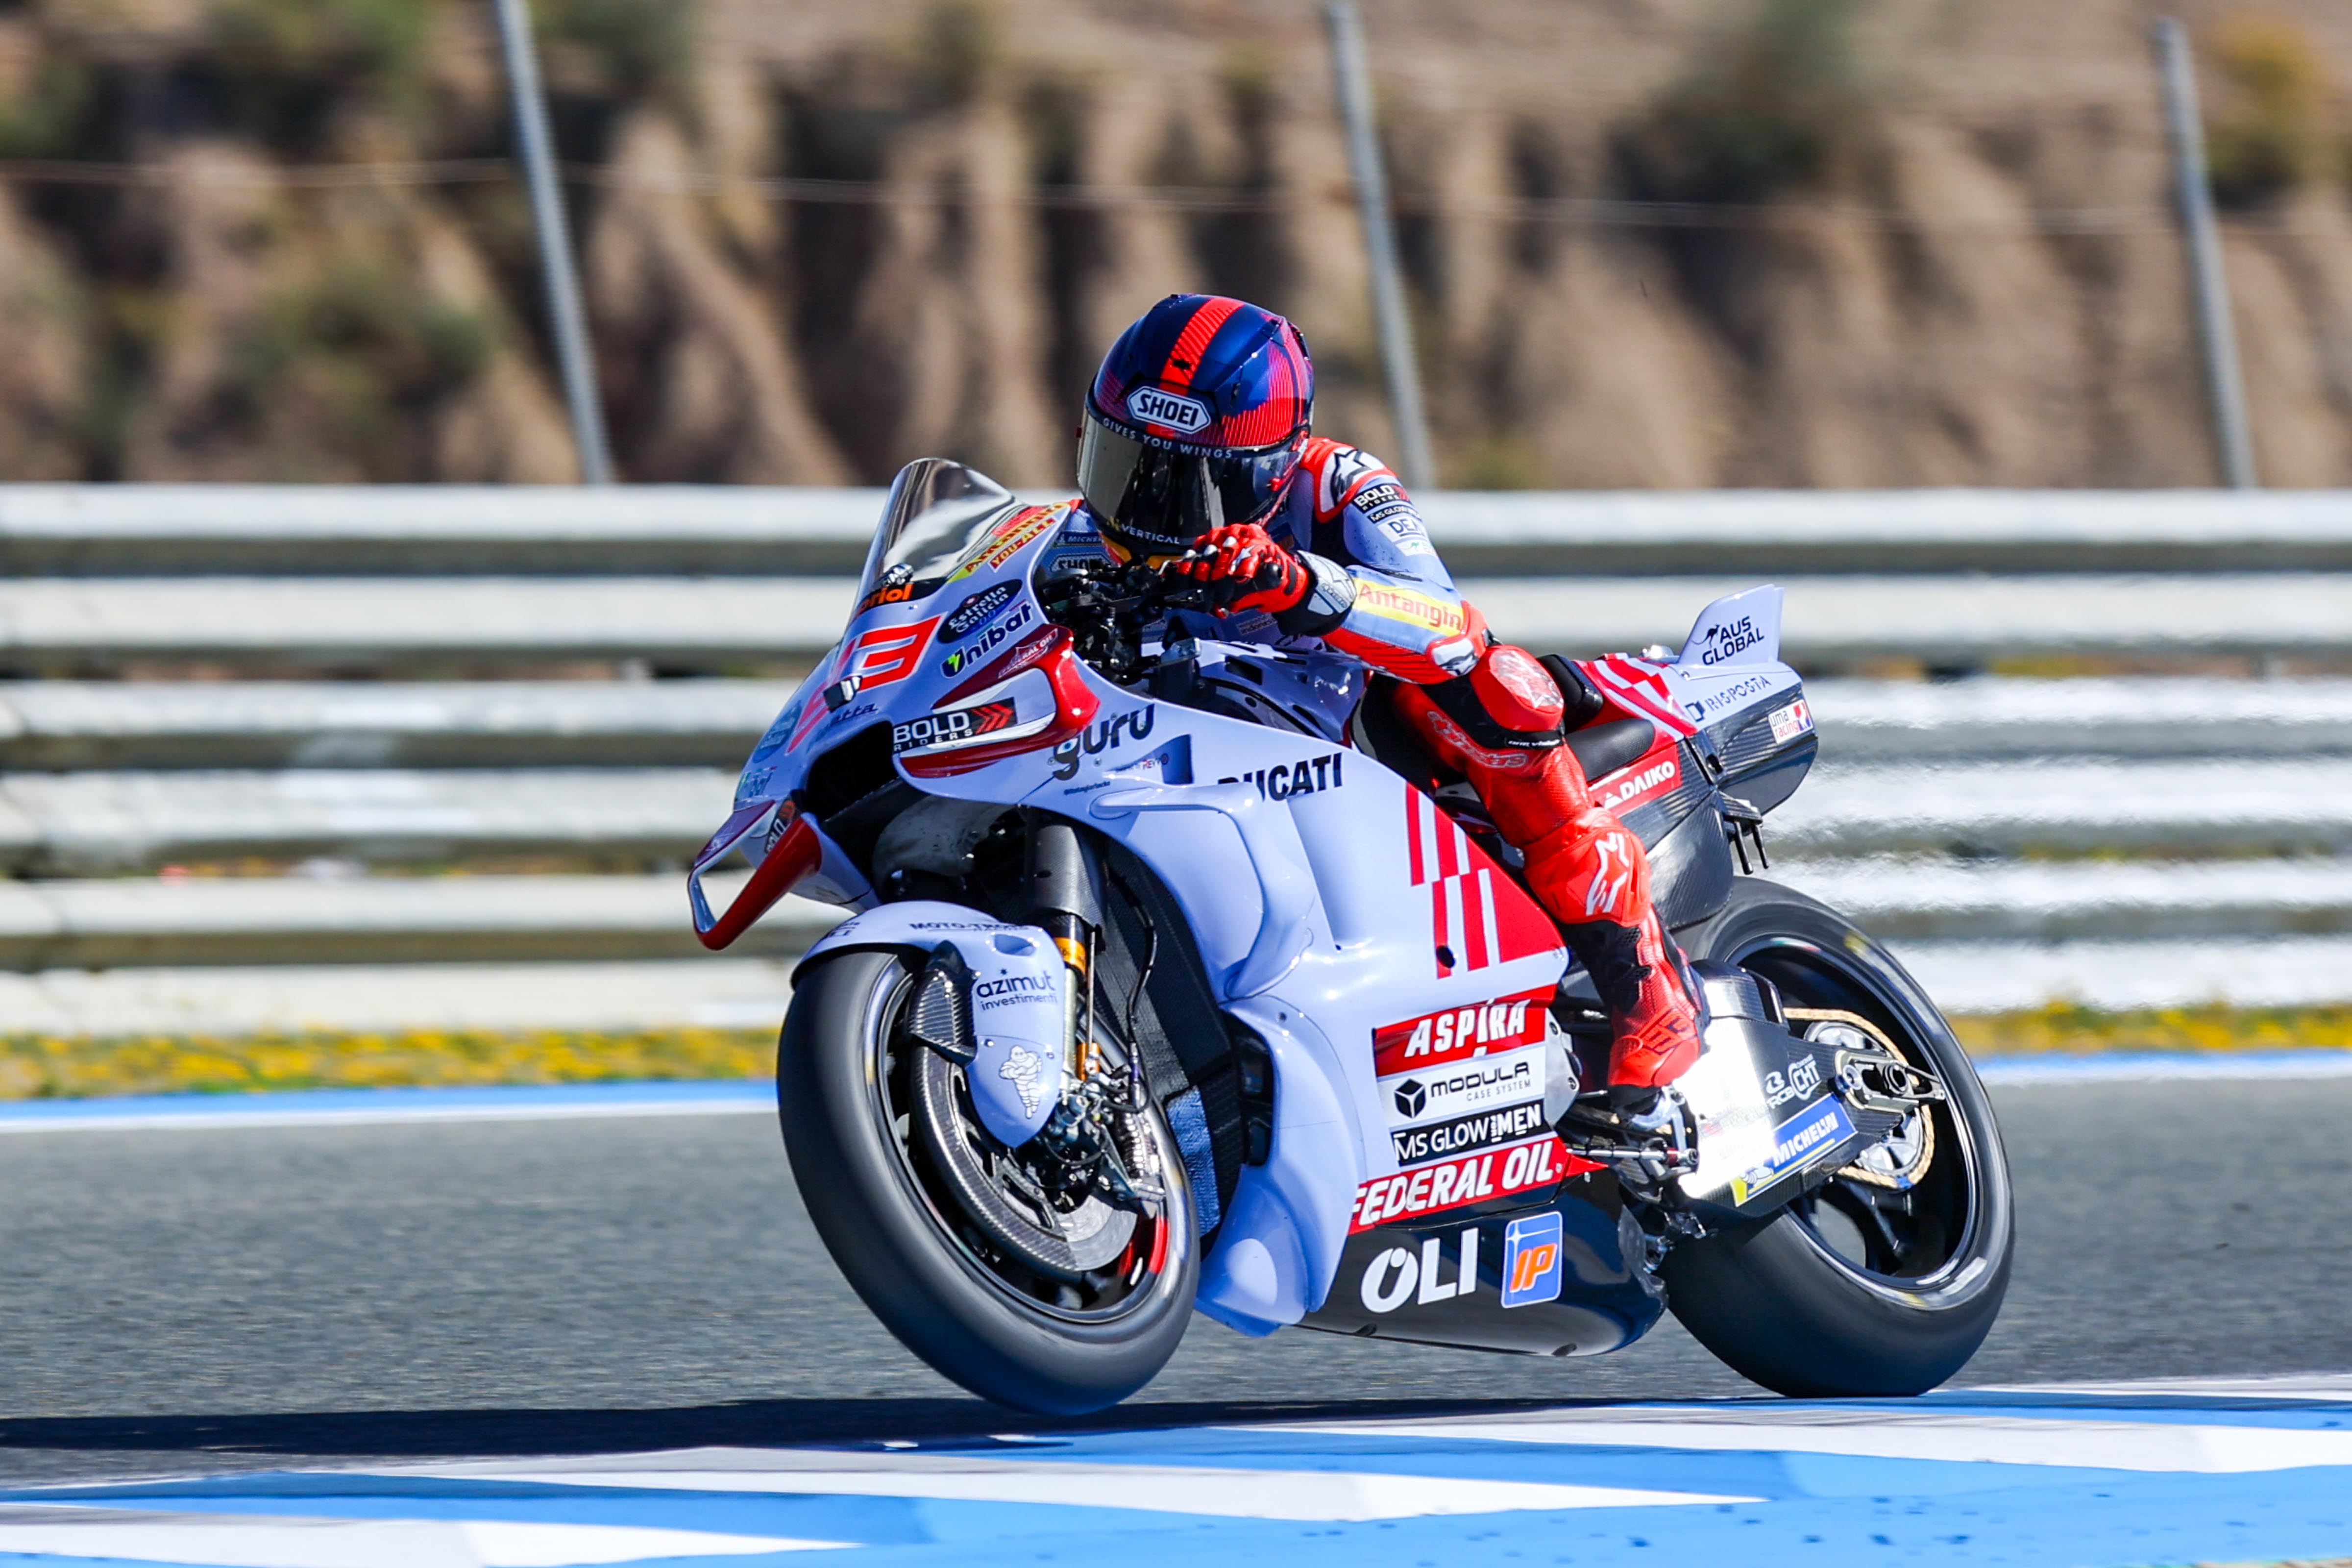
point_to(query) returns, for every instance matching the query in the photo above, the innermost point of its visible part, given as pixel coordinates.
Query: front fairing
(945, 597)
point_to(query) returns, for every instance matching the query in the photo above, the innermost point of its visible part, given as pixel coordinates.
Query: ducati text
(1280, 782)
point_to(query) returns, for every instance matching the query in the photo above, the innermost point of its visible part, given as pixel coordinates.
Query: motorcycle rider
(1194, 456)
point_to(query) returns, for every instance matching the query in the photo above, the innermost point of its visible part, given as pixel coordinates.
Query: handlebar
(1133, 587)
(1108, 604)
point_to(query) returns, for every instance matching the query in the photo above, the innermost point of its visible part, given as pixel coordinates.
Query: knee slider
(1518, 693)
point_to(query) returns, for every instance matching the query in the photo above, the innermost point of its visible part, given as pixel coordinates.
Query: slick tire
(895, 1247)
(1774, 1300)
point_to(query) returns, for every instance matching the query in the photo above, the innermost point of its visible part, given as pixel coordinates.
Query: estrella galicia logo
(1531, 1259)
(1108, 736)
(987, 642)
(1173, 409)
(1727, 640)
(1411, 1097)
(960, 620)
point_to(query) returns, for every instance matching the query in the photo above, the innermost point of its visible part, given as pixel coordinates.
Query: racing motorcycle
(1180, 977)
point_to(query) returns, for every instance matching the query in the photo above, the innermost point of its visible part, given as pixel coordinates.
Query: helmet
(1195, 420)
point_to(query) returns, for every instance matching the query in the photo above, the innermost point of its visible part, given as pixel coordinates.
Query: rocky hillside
(1651, 242)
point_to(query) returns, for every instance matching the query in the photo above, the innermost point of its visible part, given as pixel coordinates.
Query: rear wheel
(1885, 1280)
(1043, 1299)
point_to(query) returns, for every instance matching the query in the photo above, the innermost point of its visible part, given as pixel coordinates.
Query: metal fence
(292, 758)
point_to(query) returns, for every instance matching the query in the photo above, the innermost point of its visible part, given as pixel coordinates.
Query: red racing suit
(1487, 710)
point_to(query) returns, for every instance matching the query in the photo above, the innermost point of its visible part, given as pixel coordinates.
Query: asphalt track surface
(173, 1302)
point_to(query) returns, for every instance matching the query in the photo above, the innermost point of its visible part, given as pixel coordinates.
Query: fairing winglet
(794, 854)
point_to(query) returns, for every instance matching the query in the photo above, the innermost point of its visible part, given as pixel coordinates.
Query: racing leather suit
(1486, 710)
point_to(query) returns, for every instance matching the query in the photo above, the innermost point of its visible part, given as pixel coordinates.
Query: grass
(56, 1067)
(2066, 1029)
(2271, 133)
(283, 70)
(1772, 104)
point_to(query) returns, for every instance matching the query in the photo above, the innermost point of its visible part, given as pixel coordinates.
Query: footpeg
(1645, 1147)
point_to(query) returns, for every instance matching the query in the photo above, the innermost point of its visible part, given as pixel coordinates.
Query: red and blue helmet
(1196, 419)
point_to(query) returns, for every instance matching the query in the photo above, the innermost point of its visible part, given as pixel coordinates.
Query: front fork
(1065, 899)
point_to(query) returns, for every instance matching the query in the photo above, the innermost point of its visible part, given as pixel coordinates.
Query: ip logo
(1531, 1261)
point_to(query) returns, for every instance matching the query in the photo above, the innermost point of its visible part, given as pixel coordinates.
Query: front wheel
(1886, 1278)
(1026, 1293)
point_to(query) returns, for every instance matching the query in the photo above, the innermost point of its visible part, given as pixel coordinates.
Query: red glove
(1244, 569)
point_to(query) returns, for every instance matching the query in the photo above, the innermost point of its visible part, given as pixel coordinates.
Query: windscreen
(937, 513)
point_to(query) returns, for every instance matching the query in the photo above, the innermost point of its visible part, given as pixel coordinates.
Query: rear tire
(906, 1250)
(1842, 1294)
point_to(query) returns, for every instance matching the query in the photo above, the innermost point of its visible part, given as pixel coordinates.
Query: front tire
(1857, 1288)
(892, 1221)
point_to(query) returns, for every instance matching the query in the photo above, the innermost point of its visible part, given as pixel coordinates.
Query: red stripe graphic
(1476, 913)
(1193, 341)
(1474, 893)
(1414, 803)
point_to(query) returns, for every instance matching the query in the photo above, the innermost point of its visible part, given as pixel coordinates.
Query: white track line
(234, 1540)
(2285, 1388)
(1303, 1495)
(2164, 1448)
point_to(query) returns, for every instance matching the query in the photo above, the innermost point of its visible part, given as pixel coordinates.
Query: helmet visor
(1159, 498)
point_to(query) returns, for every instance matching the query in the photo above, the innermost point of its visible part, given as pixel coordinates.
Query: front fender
(1016, 1077)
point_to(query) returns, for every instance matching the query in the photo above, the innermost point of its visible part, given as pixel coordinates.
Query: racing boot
(1647, 993)
(1501, 726)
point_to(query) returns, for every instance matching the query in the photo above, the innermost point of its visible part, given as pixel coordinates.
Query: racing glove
(1244, 569)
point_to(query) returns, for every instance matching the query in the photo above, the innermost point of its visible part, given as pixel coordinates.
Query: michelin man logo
(1021, 1065)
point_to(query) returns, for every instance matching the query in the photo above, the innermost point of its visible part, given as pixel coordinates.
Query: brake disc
(998, 1194)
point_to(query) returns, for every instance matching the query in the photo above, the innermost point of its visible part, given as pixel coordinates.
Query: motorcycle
(1180, 977)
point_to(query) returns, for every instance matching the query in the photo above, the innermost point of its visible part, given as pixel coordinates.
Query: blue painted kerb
(725, 1091)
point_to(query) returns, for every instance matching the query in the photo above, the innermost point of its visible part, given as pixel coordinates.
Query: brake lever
(1187, 596)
